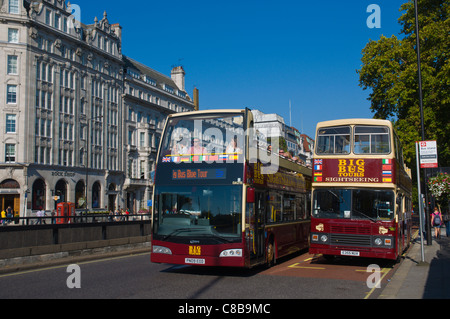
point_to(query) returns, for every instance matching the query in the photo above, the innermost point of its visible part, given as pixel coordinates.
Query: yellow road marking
(384, 270)
(378, 282)
(304, 267)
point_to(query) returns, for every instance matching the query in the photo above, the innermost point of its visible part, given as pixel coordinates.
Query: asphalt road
(135, 277)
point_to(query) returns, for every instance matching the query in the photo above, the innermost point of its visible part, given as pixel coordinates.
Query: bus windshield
(211, 137)
(333, 140)
(199, 211)
(371, 140)
(353, 204)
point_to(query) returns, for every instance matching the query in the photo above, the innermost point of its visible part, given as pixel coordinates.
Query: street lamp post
(419, 74)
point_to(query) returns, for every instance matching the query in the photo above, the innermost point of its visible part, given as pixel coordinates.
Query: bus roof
(354, 121)
(222, 111)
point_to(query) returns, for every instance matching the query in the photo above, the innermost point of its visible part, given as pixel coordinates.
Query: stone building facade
(76, 112)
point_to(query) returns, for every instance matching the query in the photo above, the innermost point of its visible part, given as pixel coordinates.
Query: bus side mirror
(250, 195)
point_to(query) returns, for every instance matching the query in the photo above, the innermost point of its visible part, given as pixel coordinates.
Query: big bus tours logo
(351, 168)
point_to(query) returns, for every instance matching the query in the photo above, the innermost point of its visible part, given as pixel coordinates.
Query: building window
(12, 64)
(50, 74)
(142, 170)
(48, 17)
(49, 100)
(13, 35)
(10, 153)
(57, 21)
(169, 89)
(14, 6)
(130, 137)
(11, 94)
(150, 81)
(142, 139)
(38, 194)
(10, 123)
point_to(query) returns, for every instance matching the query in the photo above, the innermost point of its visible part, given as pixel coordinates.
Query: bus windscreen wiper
(179, 230)
(361, 213)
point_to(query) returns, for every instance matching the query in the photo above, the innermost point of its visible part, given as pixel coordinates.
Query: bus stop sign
(428, 154)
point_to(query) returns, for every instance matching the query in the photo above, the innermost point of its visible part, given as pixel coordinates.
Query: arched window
(9, 183)
(96, 195)
(80, 194)
(38, 195)
(61, 191)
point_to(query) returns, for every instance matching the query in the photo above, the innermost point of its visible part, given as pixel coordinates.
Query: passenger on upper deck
(233, 146)
(196, 147)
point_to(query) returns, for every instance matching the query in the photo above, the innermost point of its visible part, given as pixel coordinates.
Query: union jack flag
(318, 161)
(166, 159)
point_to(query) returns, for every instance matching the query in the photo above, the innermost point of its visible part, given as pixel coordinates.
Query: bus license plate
(195, 261)
(349, 253)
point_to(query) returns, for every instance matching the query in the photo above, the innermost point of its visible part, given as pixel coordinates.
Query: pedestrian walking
(436, 221)
(446, 218)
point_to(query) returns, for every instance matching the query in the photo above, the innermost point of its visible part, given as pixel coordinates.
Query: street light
(419, 73)
(87, 159)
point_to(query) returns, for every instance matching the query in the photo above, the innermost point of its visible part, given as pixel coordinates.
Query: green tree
(389, 69)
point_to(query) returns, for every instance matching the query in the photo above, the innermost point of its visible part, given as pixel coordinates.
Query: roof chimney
(196, 100)
(177, 76)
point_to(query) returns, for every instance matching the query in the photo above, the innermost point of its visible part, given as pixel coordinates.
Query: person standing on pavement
(9, 214)
(436, 221)
(446, 218)
(3, 220)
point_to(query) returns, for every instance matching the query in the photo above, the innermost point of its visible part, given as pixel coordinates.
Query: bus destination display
(199, 174)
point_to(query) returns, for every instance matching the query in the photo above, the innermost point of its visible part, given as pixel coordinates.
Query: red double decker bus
(361, 201)
(221, 199)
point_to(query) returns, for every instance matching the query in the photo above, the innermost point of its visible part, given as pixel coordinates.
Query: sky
(263, 55)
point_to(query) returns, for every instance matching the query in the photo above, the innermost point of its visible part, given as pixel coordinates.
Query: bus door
(402, 223)
(260, 215)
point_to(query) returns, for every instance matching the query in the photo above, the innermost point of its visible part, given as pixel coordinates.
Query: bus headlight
(383, 241)
(161, 250)
(319, 238)
(231, 253)
(388, 242)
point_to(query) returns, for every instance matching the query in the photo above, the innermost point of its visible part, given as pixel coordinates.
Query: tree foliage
(389, 69)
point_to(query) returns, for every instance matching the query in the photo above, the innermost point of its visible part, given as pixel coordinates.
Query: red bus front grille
(350, 240)
(349, 229)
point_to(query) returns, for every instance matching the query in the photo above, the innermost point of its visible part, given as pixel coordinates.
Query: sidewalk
(417, 280)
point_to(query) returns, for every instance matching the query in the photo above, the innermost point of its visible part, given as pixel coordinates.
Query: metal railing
(49, 219)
